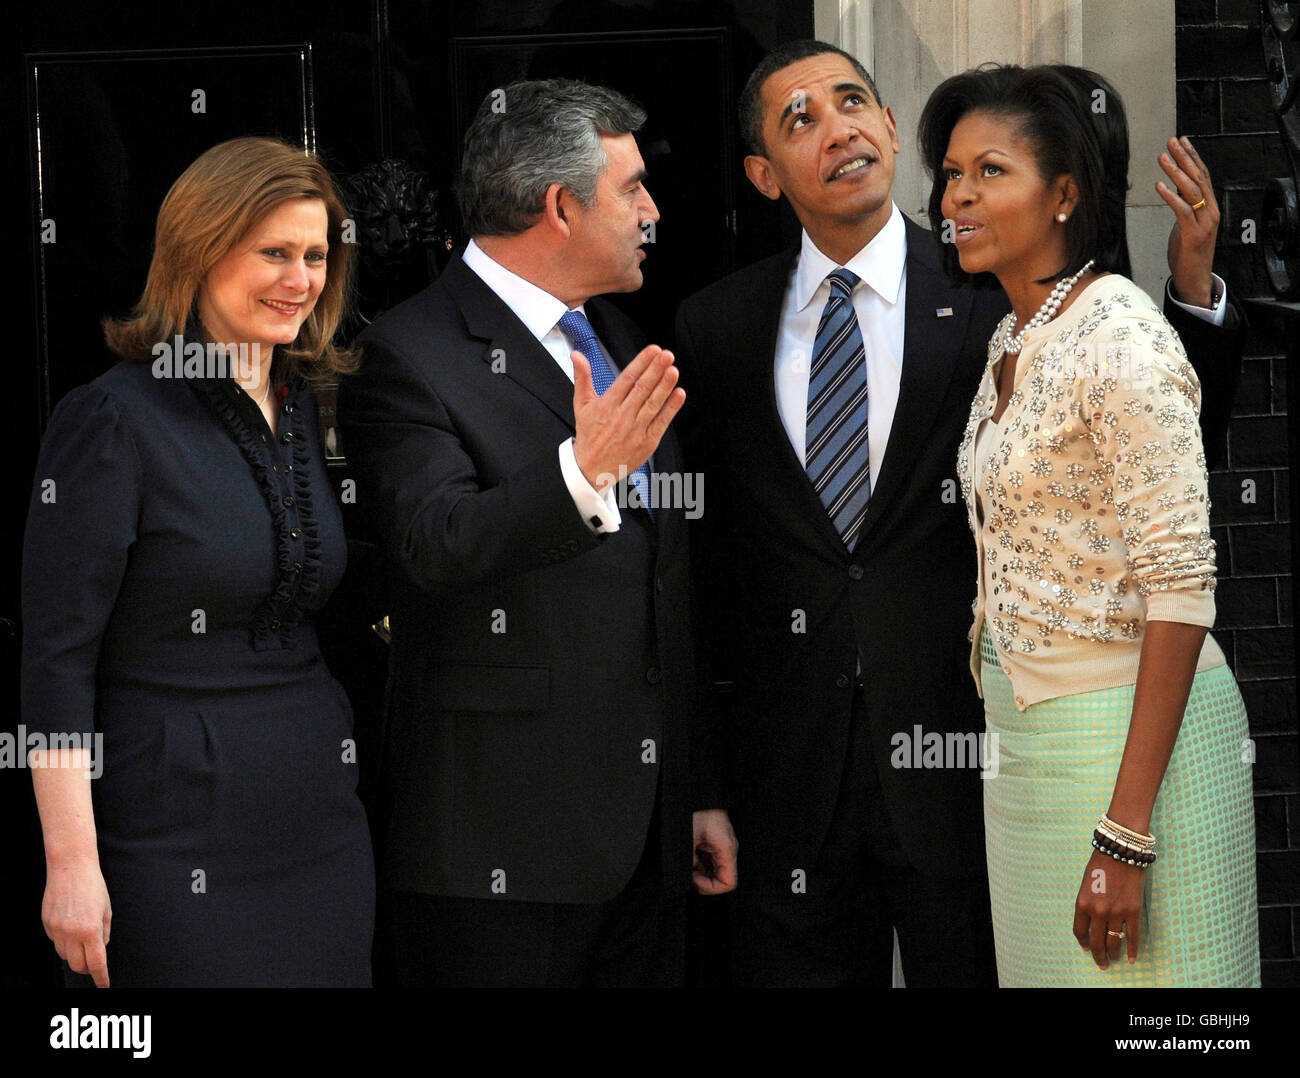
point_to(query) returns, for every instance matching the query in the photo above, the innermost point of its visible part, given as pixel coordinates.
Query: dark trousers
(839, 931)
(635, 939)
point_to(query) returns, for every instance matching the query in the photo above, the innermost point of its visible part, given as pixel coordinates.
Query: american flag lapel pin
(943, 312)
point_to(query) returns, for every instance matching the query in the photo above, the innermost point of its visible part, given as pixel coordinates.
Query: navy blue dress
(170, 575)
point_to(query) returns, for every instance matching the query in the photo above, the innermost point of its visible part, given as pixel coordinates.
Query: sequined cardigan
(1093, 510)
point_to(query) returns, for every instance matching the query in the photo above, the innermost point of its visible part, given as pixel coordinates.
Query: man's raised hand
(622, 429)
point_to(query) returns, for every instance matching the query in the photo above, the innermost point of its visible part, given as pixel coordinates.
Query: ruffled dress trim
(276, 618)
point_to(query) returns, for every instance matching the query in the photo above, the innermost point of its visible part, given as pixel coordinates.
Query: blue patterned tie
(579, 331)
(837, 457)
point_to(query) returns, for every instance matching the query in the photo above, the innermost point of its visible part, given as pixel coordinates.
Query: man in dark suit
(536, 763)
(835, 560)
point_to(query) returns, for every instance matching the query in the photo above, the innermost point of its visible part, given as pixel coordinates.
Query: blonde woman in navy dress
(1120, 824)
(168, 595)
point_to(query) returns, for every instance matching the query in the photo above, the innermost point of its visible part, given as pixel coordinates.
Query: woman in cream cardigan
(1113, 713)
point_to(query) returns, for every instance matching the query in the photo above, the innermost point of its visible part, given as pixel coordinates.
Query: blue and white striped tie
(579, 331)
(837, 454)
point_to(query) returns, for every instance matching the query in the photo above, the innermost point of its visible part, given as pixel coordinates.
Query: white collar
(536, 308)
(879, 264)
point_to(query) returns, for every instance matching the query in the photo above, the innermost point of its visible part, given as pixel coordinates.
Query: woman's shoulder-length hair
(209, 209)
(1074, 119)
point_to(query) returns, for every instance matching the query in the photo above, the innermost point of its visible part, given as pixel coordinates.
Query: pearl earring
(1062, 218)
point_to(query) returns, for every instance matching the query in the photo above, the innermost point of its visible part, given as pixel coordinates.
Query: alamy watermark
(919, 749)
(667, 490)
(1115, 360)
(18, 750)
(120, 1031)
(180, 358)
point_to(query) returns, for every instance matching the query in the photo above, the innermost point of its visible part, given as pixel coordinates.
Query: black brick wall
(1225, 105)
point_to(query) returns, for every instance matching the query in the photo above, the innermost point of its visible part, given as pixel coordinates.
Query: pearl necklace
(1012, 344)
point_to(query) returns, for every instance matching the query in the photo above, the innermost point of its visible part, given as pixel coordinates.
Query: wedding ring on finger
(1117, 935)
(1199, 205)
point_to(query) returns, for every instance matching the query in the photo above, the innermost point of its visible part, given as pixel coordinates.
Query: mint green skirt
(1056, 768)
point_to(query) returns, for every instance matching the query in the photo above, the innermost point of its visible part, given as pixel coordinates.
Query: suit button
(855, 572)
(571, 546)
(843, 681)
(275, 624)
(295, 534)
(288, 501)
(653, 675)
(659, 583)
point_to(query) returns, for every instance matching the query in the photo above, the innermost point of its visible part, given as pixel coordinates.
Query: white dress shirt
(539, 311)
(1214, 315)
(878, 302)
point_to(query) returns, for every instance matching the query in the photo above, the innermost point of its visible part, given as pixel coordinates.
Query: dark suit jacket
(540, 679)
(788, 612)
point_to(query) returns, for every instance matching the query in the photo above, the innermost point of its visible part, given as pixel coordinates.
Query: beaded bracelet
(1138, 858)
(1106, 824)
(1124, 843)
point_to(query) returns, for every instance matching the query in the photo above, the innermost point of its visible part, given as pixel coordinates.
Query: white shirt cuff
(1214, 315)
(598, 511)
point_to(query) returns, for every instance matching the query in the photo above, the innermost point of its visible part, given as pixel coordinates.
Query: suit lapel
(931, 347)
(520, 355)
